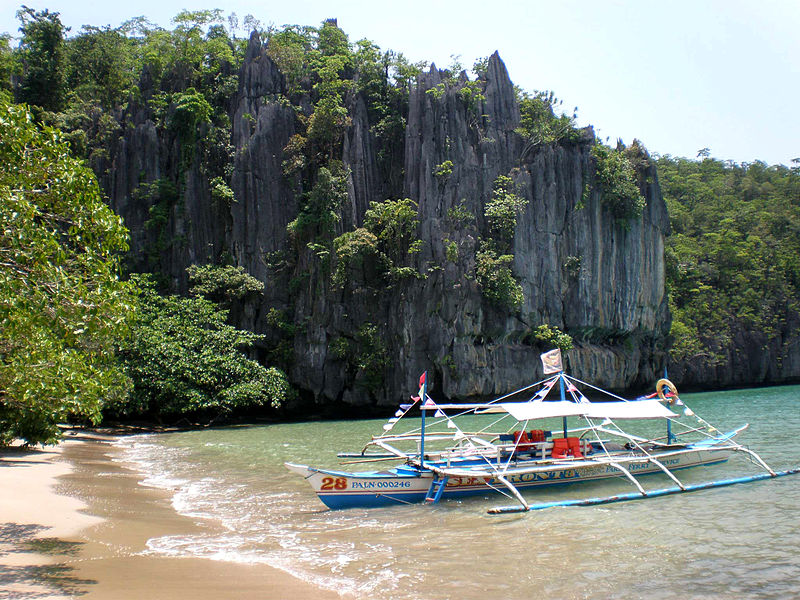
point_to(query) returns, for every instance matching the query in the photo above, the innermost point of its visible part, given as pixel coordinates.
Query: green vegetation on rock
(616, 179)
(184, 359)
(494, 258)
(733, 259)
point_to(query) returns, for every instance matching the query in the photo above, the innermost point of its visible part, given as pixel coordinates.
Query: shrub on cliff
(493, 273)
(184, 359)
(616, 178)
(502, 210)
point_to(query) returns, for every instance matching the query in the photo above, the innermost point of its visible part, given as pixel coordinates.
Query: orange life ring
(666, 383)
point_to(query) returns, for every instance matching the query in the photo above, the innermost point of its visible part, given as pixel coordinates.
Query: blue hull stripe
(353, 499)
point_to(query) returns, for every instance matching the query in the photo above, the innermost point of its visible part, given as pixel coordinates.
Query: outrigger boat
(452, 452)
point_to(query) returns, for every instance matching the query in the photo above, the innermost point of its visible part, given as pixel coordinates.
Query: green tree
(394, 223)
(501, 212)
(222, 284)
(100, 65)
(538, 122)
(320, 210)
(619, 188)
(378, 251)
(732, 266)
(9, 64)
(494, 275)
(62, 305)
(184, 359)
(42, 55)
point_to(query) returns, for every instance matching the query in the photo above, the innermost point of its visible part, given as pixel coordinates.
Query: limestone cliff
(580, 269)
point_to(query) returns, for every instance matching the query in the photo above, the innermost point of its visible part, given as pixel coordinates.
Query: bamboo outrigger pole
(497, 510)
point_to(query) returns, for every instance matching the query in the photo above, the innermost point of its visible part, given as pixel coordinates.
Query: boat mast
(670, 438)
(563, 398)
(422, 393)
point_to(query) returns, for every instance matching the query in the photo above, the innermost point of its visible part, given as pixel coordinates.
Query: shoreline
(78, 522)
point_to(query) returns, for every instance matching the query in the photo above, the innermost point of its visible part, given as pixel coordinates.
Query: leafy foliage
(222, 284)
(394, 223)
(733, 261)
(460, 215)
(42, 57)
(9, 65)
(552, 337)
(494, 257)
(444, 170)
(365, 354)
(320, 210)
(100, 65)
(494, 275)
(190, 109)
(184, 359)
(538, 122)
(380, 248)
(619, 188)
(358, 258)
(502, 210)
(62, 305)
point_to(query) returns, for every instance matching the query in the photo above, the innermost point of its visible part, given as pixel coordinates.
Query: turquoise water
(735, 542)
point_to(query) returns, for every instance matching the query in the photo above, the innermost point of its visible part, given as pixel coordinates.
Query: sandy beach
(75, 523)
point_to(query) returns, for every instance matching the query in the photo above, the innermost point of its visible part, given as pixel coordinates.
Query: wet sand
(75, 523)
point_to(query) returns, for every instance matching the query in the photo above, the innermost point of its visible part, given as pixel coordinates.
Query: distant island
(199, 223)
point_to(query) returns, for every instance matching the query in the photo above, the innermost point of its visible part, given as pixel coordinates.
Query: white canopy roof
(525, 411)
(640, 409)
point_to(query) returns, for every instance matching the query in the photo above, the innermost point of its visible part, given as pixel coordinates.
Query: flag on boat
(422, 380)
(551, 361)
(545, 390)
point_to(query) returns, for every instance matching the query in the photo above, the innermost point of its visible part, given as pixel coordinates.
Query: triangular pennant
(450, 424)
(439, 413)
(388, 426)
(399, 413)
(545, 390)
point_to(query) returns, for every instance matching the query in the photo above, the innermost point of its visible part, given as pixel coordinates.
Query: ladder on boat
(436, 488)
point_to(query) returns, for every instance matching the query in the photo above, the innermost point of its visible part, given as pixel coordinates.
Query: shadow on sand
(21, 539)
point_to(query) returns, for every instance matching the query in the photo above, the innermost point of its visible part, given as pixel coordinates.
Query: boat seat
(522, 440)
(536, 435)
(566, 447)
(560, 448)
(575, 447)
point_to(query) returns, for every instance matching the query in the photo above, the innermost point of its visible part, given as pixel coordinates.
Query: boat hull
(409, 485)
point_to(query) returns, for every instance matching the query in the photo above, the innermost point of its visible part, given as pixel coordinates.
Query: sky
(679, 75)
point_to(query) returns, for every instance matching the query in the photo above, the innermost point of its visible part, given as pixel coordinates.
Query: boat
(509, 445)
